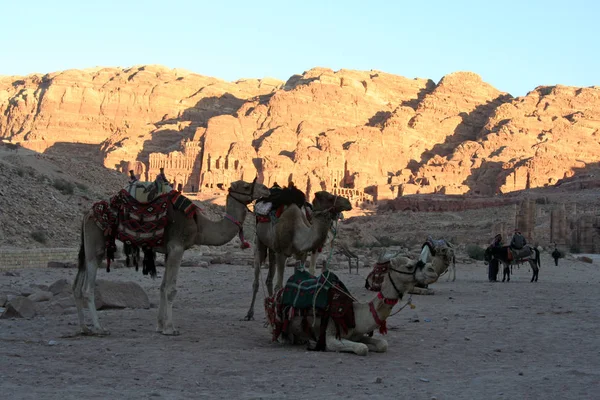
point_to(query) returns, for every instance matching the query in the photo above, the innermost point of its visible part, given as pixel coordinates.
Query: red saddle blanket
(375, 277)
(142, 223)
(139, 224)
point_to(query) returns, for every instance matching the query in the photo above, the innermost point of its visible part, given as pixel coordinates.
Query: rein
(244, 244)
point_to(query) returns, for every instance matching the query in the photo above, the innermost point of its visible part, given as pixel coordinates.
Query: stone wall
(35, 258)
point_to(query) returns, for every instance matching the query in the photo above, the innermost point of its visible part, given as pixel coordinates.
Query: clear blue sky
(514, 45)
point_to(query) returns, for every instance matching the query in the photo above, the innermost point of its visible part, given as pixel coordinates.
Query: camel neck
(217, 233)
(378, 307)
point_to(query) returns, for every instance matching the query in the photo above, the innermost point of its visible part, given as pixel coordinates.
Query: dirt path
(475, 340)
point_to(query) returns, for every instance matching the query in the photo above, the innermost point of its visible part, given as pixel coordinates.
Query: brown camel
(181, 234)
(293, 235)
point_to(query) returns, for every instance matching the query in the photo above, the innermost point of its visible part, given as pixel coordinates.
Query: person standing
(493, 265)
(555, 255)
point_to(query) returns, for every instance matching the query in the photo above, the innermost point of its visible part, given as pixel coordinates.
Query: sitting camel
(402, 275)
(508, 257)
(292, 234)
(439, 252)
(181, 234)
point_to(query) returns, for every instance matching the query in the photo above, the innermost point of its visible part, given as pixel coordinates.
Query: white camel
(293, 235)
(402, 275)
(450, 259)
(181, 233)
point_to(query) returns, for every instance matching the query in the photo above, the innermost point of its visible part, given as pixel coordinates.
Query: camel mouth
(342, 206)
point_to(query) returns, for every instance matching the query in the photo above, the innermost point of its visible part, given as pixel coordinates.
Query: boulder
(40, 296)
(19, 307)
(60, 286)
(110, 294)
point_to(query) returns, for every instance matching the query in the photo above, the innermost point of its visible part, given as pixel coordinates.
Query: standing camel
(292, 234)
(402, 275)
(181, 233)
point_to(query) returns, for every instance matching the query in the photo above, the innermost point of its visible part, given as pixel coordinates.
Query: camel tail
(81, 255)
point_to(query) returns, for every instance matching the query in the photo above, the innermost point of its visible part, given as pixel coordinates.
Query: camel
(181, 234)
(293, 235)
(507, 257)
(449, 261)
(439, 252)
(402, 275)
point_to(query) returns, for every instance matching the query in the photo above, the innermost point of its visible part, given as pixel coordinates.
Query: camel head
(443, 257)
(326, 201)
(405, 272)
(247, 192)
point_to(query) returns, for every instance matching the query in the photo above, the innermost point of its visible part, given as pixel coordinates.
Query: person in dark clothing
(493, 265)
(555, 255)
(518, 240)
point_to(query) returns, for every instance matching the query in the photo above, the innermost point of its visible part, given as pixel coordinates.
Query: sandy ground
(475, 340)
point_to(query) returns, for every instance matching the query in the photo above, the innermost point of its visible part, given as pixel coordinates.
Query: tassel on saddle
(148, 264)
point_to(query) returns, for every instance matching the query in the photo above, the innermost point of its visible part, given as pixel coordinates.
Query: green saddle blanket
(145, 192)
(302, 287)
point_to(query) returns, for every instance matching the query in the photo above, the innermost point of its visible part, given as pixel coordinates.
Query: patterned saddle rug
(304, 294)
(146, 192)
(138, 224)
(375, 278)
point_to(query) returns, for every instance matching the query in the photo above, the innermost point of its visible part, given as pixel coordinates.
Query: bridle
(240, 226)
(413, 273)
(331, 212)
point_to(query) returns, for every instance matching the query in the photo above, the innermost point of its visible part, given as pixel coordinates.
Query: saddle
(145, 192)
(308, 296)
(266, 212)
(139, 223)
(375, 278)
(519, 254)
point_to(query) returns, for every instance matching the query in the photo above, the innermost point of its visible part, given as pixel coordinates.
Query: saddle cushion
(302, 287)
(262, 208)
(145, 192)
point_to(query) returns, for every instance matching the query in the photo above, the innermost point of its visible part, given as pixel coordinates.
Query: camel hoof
(248, 317)
(94, 332)
(362, 350)
(170, 332)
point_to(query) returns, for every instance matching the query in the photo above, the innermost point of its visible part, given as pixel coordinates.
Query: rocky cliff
(379, 134)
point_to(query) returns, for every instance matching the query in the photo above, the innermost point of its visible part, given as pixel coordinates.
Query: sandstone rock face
(381, 135)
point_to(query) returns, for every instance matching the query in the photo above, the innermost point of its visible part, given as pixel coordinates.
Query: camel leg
(345, 345)
(313, 262)
(281, 259)
(378, 345)
(90, 257)
(271, 273)
(168, 291)
(260, 253)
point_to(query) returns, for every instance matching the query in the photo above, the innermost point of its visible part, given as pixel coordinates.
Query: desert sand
(473, 340)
